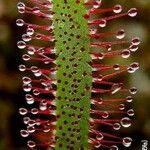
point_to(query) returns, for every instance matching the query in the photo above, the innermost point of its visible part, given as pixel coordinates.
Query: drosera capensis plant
(77, 98)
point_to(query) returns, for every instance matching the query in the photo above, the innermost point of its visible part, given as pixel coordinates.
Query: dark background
(12, 96)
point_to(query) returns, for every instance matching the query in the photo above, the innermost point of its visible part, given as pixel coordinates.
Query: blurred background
(12, 96)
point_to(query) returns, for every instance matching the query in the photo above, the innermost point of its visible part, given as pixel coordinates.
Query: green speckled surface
(73, 75)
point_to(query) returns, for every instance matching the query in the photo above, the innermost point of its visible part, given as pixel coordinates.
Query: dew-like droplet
(127, 141)
(29, 96)
(132, 12)
(100, 77)
(133, 90)
(116, 67)
(125, 122)
(133, 48)
(116, 126)
(22, 68)
(34, 111)
(38, 74)
(121, 107)
(102, 23)
(129, 99)
(36, 10)
(31, 144)
(34, 69)
(125, 53)
(23, 111)
(135, 66)
(19, 22)
(24, 133)
(29, 99)
(26, 37)
(26, 80)
(97, 5)
(93, 31)
(27, 87)
(26, 120)
(135, 41)
(38, 36)
(114, 147)
(30, 31)
(100, 101)
(101, 56)
(105, 114)
(130, 112)
(38, 122)
(26, 57)
(31, 50)
(21, 44)
(46, 129)
(46, 61)
(43, 105)
(21, 7)
(99, 136)
(117, 9)
(97, 144)
(120, 34)
(31, 122)
(31, 129)
(36, 92)
(130, 70)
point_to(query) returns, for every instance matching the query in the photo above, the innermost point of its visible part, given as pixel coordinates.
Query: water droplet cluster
(38, 81)
(112, 112)
(70, 86)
